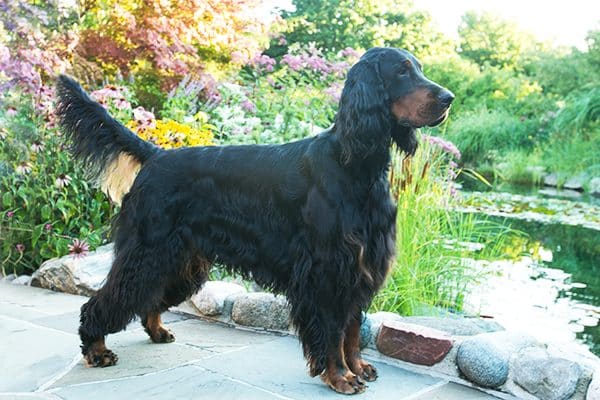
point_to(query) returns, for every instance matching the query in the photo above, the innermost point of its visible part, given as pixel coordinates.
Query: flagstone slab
(278, 366)
(31, 355)
(188, 382)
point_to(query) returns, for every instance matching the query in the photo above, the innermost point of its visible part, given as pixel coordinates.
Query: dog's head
(387, 95)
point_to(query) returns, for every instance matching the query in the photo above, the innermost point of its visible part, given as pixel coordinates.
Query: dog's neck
(368, 155)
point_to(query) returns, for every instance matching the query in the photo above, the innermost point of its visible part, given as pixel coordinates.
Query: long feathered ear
(364, 118)
(405, 138)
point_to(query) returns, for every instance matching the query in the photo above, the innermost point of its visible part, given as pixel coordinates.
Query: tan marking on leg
(99, 356)
(352, 353)
(337, 375)
(156, 330)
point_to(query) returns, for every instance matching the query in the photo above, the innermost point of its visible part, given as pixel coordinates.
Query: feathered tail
(111, 153)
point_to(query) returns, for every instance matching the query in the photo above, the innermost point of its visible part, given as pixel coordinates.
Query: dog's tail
(111, 153)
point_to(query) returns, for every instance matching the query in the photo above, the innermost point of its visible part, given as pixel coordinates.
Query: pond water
(554, 293)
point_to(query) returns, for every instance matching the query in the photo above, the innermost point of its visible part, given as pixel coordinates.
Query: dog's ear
(405, 138)
(364, 118)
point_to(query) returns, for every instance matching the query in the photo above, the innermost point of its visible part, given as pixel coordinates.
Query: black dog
(312, 219)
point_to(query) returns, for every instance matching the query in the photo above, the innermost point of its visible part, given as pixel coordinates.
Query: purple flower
(263, 62)
(350, 53)
(10, 214)
(48, 227)
(79, 248)
(248, 106)
(334, 91)
(446, 145)
(11, 111)
(294, 62)
(282, 40)
(20, 247)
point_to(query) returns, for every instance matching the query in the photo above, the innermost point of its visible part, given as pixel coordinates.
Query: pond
(553, 292)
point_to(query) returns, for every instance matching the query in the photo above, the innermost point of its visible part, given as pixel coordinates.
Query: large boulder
(261, 310)
(210, 301)
(546, 377)
(82, 276)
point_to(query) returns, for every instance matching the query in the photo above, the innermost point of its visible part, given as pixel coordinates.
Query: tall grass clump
(432, 241)
(574, 145)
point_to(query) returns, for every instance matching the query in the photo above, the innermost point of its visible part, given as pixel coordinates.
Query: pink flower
(263, 62)
(79, 249)
(20, 247)
(62, 181)
(282, 40)
(11, 111)
(48, 227)
(10, 214)
(23, 168)
(294, 62)
(446, 145)
(248, 106)
(350, 53)
(37, 146)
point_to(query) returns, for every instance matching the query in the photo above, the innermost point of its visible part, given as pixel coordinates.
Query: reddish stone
(413, 343)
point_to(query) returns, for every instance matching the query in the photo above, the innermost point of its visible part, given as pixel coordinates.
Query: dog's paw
(346, 384)
(162, 335)
(104, 358)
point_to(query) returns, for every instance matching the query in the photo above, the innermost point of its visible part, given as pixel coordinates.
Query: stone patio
(40, 359)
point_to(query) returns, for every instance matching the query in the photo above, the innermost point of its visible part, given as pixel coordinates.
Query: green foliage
(486, 38)
(336, 24)
(45, 200)
(484, 135)
(574, 145)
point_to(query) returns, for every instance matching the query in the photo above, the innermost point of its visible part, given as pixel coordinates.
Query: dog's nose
(446, 97)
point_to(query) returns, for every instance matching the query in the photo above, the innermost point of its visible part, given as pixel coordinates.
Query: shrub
(46, 202)
(484, 135)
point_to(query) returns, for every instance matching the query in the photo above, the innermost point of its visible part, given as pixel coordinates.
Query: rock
(483, 362)
(413, 343)
(211, 299)
(83, 276)
(548, 378)
(575, 182)
(22, 280)
(457, 325)
(566, 193)
(594, 186)
(376, 319)
(8, 278)
(262, 310)
(551, 180)
(593, 392)
(365, 331)
(484, 358)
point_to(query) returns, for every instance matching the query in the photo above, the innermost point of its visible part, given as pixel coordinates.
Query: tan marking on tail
(119, 176)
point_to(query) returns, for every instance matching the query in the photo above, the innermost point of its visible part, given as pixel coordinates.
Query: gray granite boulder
(547, 378)
(261, 310)
(83, 276)
(22, 280)
(210, 300)
(484, 358)
(551, 180)
(483, 362)
(593, 392)
(8, 278)
(575, 182)
(365, 331)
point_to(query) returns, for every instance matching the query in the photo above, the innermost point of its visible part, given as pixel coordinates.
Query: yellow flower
(170, 134)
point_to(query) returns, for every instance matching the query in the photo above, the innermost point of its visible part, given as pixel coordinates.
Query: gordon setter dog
(312, 219)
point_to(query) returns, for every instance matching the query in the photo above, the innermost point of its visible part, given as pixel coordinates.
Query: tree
(487, 39)
(336, 24)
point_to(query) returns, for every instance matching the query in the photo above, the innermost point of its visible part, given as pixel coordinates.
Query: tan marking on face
(409, 108)
(119, 176)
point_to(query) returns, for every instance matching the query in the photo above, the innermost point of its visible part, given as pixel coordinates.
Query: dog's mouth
(441, 119)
